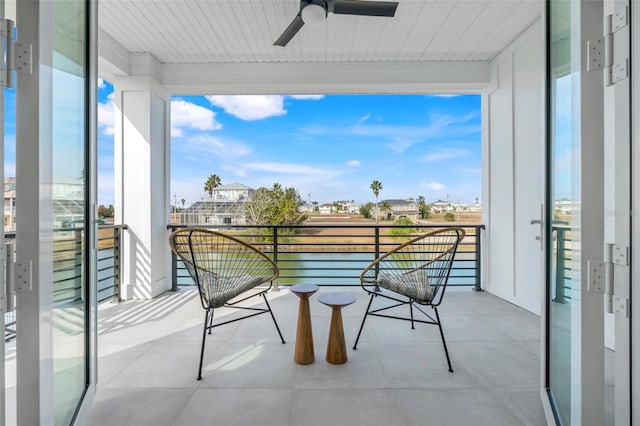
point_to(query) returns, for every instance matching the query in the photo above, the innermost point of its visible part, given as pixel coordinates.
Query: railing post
(174, 266)
(117, 264)
(478, 253)
(377, 248)
(275, 255)
(174, 272)
(560, 238)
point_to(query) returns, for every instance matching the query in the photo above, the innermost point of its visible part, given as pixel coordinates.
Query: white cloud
(101, 84)
(106, 115)
(352, 163)
(444, 154)
(444, 95)
(250, 107)
(307, 97)
(208, 144)
(364, 118)
(433, 186)
(291, 169)
(189, 115)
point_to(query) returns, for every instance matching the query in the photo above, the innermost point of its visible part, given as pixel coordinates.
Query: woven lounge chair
(227, 271)
(415, 274)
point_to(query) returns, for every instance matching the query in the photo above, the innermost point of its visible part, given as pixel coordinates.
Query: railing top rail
(326, 226)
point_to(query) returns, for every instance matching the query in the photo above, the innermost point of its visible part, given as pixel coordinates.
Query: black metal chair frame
(195, 271)
(366, 283)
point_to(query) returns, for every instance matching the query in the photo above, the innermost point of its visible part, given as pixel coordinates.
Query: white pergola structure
(151, 50)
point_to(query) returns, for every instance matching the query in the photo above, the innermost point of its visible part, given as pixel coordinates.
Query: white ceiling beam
(325, 78)
(113, 59)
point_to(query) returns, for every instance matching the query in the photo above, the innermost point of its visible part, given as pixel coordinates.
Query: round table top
(304, 288)
(336, 299)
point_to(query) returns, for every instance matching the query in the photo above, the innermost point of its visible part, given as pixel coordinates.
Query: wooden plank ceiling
(243, 31)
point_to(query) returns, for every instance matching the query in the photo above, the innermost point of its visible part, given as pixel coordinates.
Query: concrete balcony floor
(149, 353)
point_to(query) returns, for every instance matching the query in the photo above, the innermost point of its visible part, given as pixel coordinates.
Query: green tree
(376, 187)
(449, 217)
(104, 212)
(211, 183)
(365, 210)
(315, 206)
(423, 208)
(275, 206)
(402, 232)
(385, 206)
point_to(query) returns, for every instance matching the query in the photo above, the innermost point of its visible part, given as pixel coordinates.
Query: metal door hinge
(600, 278)
(16, 56)
(601, 53)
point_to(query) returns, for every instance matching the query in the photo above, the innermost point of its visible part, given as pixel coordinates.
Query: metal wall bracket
(601, 52)
(620, 255)
(595, 54)
(23, 277)
(23, 58)
(596, 277)
(621, 306)
(15, 56)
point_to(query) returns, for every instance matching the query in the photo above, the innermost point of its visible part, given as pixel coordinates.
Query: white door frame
(635, 216)
(588, 338)
(34, 231)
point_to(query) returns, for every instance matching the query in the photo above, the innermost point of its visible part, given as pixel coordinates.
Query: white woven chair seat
(414, 285)
(222, 289)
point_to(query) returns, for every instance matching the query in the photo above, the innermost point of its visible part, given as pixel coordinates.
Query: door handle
(541, 224)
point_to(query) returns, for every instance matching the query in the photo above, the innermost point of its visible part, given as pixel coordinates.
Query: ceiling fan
(315, 11)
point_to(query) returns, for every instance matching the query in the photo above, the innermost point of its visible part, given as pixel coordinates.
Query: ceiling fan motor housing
(314, 11)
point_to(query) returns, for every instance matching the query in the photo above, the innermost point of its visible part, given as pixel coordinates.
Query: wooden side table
(304, 336)
(336, 348)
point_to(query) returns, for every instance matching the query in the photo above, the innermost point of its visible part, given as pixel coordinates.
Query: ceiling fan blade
(291, 31)
(369, 8)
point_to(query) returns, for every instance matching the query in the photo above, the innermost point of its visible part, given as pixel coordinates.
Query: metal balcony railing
(562, 263)
(335, 255)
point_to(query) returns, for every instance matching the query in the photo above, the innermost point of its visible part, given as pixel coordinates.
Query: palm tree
(422, 206)
(212, 183)
(376, 187)
(385, 206)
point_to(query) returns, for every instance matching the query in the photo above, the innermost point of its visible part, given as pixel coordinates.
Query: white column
(142, 196)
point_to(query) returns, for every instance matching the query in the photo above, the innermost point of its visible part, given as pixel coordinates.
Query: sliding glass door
(69, 207)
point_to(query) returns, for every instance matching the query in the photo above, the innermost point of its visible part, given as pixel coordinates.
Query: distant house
(401, 208)
(475, 207)
(233, 192)
(306, 207)
(352, 208)
(441, 206)
(326, 208)
(225, 207)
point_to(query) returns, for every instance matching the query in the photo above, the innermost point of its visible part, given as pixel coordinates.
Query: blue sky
(328, 147)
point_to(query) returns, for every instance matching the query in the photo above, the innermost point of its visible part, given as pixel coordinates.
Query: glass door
(70, 208)
(7, 298)
(55, 242)
(574, 356)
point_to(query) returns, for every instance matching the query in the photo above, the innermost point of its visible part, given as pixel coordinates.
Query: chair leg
(207, 321)
(363, 320)
(273, 317)
(211, 323)
(446, 352)
(413, 327)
